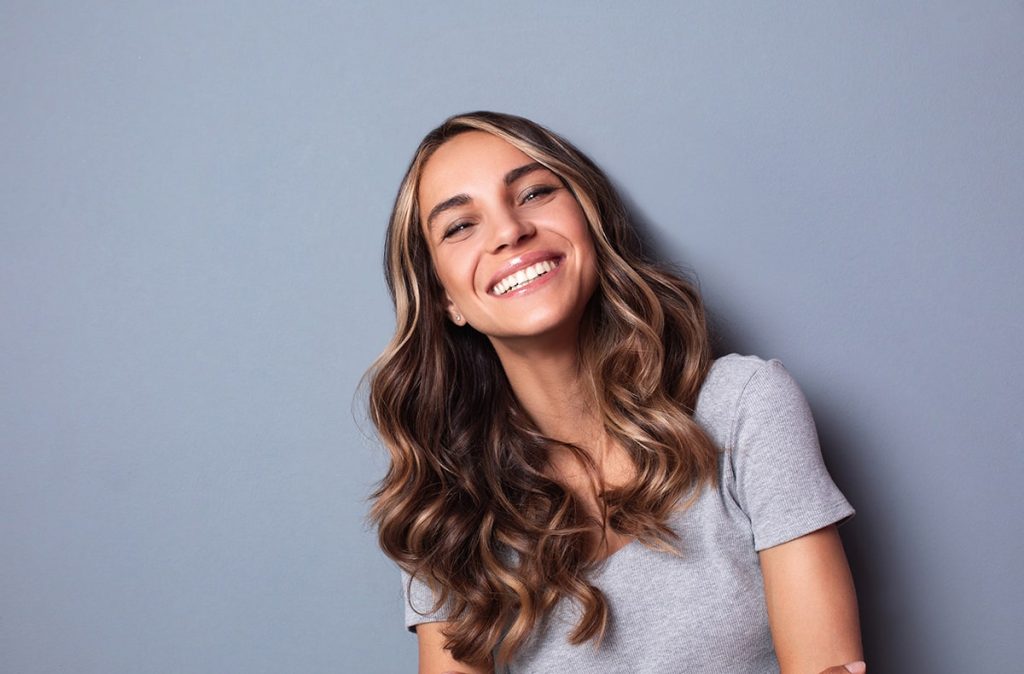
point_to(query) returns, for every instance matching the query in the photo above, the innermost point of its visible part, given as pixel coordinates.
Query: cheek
(581, 226)
(585, 238)
(589, 255)
(456, 275)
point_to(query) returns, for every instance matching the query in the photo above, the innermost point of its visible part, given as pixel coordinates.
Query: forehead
(470, 162)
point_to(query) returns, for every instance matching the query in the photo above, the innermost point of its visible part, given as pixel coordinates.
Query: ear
(453, 312)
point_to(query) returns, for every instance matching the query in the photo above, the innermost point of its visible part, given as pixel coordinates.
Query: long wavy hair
(469, 505)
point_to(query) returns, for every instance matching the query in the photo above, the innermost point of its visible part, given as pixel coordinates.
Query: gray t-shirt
(703, 611)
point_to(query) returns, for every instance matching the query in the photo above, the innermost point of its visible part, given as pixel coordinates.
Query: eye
(456, 228)
(534, 193)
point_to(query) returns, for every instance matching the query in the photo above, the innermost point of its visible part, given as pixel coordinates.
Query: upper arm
(812, 606)
(434, 658)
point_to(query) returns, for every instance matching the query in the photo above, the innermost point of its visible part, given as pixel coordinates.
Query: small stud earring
(458, 318)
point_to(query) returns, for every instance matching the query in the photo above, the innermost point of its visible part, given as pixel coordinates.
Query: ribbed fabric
(703, 612)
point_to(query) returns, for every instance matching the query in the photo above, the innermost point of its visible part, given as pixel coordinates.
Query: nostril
(510, 231)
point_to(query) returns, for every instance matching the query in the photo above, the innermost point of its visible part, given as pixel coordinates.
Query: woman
(575, 485)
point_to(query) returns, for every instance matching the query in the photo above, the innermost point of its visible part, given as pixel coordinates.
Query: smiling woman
(512, 229)
(575, 483)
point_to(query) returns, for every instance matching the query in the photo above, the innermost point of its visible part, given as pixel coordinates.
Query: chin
(540, 329)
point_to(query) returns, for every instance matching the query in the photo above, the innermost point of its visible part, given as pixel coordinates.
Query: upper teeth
(523, 276)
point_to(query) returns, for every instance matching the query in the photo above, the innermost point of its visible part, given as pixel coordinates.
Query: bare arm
(812, 606)
(434, 659)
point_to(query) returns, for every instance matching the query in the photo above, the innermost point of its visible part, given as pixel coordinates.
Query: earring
(458, 318)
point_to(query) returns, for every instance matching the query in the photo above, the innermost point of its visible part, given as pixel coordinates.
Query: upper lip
(521, 262)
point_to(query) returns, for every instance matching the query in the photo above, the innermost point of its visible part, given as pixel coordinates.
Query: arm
(434, 658)
(812, 606)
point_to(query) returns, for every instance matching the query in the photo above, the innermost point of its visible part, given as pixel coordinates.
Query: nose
(508, 231)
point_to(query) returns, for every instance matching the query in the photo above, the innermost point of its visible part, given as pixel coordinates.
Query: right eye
(457, 228)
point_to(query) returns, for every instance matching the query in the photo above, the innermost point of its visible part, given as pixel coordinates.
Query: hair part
(467, 505)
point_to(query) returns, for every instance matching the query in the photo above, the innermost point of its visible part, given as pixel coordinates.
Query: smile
(523, 277)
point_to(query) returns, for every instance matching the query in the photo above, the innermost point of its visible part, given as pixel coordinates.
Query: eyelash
(456, 228)
(530, 195)
(537, 192)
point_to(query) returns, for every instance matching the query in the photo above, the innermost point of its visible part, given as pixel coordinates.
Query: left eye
(536, 193)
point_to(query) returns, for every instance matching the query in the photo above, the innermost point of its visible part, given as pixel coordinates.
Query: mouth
(523, 277)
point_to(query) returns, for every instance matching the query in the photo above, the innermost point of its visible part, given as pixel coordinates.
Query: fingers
(850, 668)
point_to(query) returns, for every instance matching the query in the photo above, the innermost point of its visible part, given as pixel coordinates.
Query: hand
(849, 668)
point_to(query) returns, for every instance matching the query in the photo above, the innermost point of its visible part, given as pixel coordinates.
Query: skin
(483, 207)
(471, 242)
(812, 605)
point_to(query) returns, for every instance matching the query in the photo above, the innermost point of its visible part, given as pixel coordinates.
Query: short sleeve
(419, 602)
(781, 480)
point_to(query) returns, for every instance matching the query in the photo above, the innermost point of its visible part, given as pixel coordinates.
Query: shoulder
(739, 385)
(772, 464)
(730, 374)
(724, 385)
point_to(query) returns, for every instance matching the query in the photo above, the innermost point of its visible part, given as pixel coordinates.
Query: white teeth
(523, 276)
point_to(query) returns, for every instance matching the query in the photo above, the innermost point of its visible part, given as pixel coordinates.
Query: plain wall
(192, 205)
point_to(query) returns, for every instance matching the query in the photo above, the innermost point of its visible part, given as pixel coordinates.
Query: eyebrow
(516, 174)
(463, 199)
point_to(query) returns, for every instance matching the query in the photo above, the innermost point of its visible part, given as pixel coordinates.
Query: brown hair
(466, 505)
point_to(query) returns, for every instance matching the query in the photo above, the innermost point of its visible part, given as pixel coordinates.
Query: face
(509, 241)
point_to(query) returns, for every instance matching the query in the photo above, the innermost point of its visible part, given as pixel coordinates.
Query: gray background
(193, 199)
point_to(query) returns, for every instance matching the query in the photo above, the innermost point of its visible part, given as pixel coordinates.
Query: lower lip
(533, 285)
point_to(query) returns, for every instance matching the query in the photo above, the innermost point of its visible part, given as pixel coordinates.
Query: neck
(549, 385)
